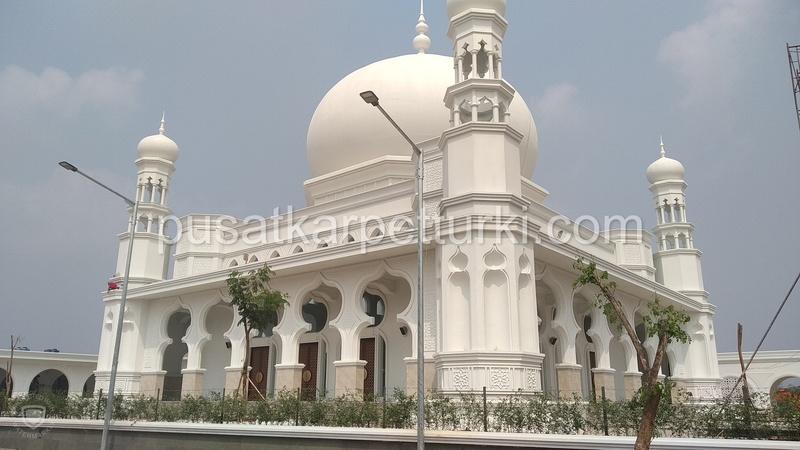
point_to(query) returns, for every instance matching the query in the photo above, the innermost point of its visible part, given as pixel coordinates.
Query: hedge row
(469, 412)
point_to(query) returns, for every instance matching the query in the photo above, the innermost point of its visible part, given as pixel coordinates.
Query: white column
(490, 56)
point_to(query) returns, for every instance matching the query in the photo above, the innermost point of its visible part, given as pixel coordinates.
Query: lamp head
(68, 166)
(369, 97)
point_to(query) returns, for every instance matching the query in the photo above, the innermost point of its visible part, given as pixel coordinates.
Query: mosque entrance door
(308, 357)
(259, 361)
(367, 353)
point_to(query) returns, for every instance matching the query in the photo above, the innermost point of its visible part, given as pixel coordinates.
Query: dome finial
(163, 128)
(421, 41)
(663, 151)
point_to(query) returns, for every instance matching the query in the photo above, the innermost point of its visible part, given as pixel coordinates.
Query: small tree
(665, 323)
(5, 393)
(257, 304)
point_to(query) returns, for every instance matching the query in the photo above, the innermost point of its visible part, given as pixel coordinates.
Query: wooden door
(308, 382)
(259, 361)
(367, 353)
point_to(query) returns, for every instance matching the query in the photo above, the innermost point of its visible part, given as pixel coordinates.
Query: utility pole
(745, 386)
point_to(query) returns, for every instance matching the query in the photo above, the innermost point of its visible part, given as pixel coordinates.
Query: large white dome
(345, 131)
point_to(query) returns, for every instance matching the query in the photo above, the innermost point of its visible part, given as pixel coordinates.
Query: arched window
(466, 62)
(316, 314)
(374, 306)
(148, 191)
(670, 241)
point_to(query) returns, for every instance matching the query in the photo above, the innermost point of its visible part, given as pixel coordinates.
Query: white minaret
(156, 164)
(489, 333)
(678, 267)
(677, 261)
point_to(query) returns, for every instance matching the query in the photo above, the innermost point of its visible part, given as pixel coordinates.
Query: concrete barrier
(19, 433)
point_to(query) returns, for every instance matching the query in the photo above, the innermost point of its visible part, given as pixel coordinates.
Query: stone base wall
(569, 380)
(349, 377)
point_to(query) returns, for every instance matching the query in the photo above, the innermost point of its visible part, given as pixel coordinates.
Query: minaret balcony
(479, 87)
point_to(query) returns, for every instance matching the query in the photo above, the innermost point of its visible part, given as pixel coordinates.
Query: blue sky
(84, 81)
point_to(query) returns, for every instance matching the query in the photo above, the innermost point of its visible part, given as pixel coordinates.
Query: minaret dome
(159, 145)
(664, 169)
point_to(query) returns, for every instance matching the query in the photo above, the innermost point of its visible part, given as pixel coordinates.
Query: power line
(763, 337)
(793, 51)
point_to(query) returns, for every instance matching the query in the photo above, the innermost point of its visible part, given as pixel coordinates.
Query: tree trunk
(243, 380)
(648, 423)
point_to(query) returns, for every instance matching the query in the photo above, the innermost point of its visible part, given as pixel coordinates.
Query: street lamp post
(372, 99)
(121, 314)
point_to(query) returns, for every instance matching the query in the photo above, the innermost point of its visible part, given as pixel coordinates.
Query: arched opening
(88, 386)
(485, 110)
(482, 60)
(141, 224)
(586, 354)
(148, 191)
(548, 338)
(319, 346)
(641, 334)
(786, 389)
(666, 366)
(174, 359)
(670, 242)
(216, 353)
(349, 238)
(677, 211)
(264, 354)
(49, 381)
(159, 189)
(297, 249)
(274, 254)
(466, 62)
(233, 264)
(385, 342)
(7, 389)
(253, 259)
(682, 241)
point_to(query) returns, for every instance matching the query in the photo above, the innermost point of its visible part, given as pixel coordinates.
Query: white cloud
(707, 55)
(56, 91)
(557, 104)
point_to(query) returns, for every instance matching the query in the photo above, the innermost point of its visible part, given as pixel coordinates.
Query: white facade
(500, 311)
(765, 375)
(45, 372)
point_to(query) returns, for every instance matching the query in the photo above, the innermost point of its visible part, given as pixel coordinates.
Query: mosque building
(500, 310)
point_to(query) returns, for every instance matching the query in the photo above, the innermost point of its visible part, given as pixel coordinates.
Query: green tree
(664, 322)
(257, 304)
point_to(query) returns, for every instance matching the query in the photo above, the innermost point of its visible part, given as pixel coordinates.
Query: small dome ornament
(665, 169)
(159, 145)
(421, 41)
